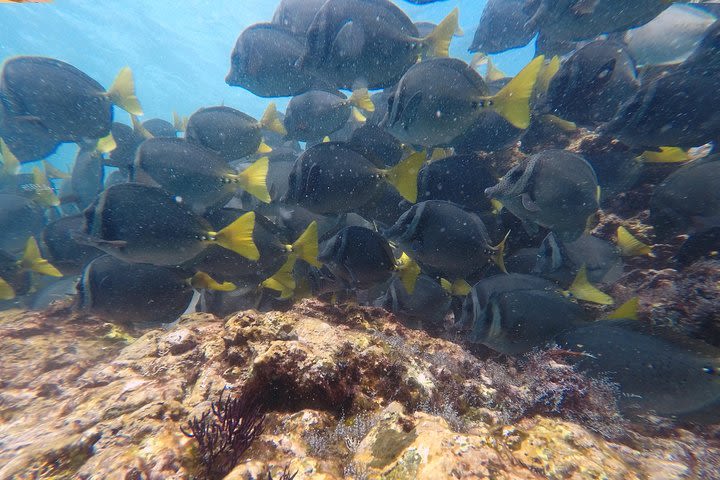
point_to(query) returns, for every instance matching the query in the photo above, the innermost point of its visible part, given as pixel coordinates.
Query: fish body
(228, 132)
(427, 305)
(316, 114)
(63, 249)
(460, 179)
(503, 26)
(296, 15)
(20, 218)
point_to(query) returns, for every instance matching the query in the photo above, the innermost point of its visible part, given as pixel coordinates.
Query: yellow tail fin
(326, 139)
(546, 74)
(44, 193)
(497, 206)
(493, 73)
(271, 120)
(106, 144)
(513, 101)
(11, 164)
(6, 291)
(564, 125)
(264, 148)
(358, 115)
(438, 42)
(238, 237)
(283, 281)
(628, 310)
(582, 289)
(33, 261)
(403, 176)
(458, 288)
(122, 92)
(140, 128)
(306, 247)
(408, 271)
(203, 281)
(361, 99)
(499, 255)
(53, 172)
(629, 245)
(180, 123)
(666, 155)
(254, 179)
(478, 59)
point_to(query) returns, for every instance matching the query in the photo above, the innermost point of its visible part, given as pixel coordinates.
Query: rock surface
(350, 393)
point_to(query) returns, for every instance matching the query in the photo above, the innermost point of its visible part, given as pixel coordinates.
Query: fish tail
(254, 180)
(140, 128)
(513, 101)
(6, 291)
(283, 281)
(203, 281)
(44, 194)
(10, 162)
(32, 260)
(629, 245)
(499, 256)
(53, 172)
(493, 73)
(106, 144)
(666, 155)
(358, 115)
(361, 99)
(478, 59)
(306, 246)
(408, 271)
(458, 288)
(628, 310)
(582, 289)
(403, 176)
(122, 92)
(564, 125)
(438, 42)
(546, 74)
(180, 123)
(264, 148)
(238, 237)
(271, 120)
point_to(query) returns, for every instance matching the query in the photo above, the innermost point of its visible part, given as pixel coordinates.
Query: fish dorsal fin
(33, 261)
(582, 289)
(7, 292)
(628, 310)
(203, 281)
(629, 245)
(408, 270)
(238, 237)
(403, 176)
(271, 120)
(122, 92)
(438, 42)
(513, 101)
(254, 179)
(306, 247)
(10, 162)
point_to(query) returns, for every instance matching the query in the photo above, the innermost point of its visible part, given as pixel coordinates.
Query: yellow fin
(582, 289)
(629, 245)
(180, 123)
(264, 148)
(140, 128)
(53, 172)
(408, 270)
(361, 99)
(358, 115)
(403, 176)
(33, 261)
(497, 206)
(478, 59)
(122, 92)
(106, 144)
(493, 73)
(513, 101)
(628, 310)
(11, 164)
(238, 237)
(439, 153)
(564, 125)
(203, 281)
(6, 291)
(546, 74)
(460, 288)
(499, 255)
(271, 120)
(254, 179)
(438, 42)
(306, 246)
(666, 155)
(326, 139)
(283, 281)
(44, 193)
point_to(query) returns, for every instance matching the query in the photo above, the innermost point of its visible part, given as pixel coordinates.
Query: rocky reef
(347, 391)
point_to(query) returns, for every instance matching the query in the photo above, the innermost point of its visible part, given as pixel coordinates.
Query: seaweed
(226, 431)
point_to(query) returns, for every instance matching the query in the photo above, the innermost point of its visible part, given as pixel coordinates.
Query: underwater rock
(349, 393)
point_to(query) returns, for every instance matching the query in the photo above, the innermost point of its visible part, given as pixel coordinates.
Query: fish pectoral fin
(349, 41)
(528, 203)
(584, 7)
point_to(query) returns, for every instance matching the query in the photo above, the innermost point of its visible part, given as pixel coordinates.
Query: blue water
(178, 50)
